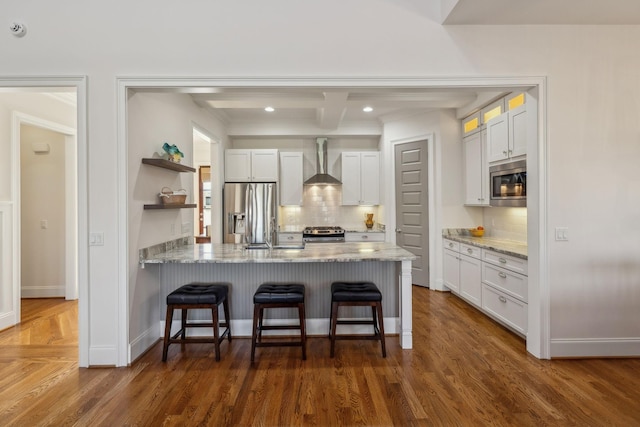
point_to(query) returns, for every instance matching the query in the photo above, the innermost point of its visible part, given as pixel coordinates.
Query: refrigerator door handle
(248, 203)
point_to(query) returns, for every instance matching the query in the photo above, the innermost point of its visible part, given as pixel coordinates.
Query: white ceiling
(329, 109)
(541, 12)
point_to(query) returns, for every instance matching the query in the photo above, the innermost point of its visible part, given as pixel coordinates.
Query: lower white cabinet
(367, 236)
(508, 310)
(494, 282)
(463, 271)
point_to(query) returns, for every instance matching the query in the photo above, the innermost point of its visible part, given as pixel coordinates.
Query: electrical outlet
(44, 224)
(186, 227)
(562, 234)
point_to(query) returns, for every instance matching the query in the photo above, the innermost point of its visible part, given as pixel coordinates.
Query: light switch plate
(96, 239)
(562, 234)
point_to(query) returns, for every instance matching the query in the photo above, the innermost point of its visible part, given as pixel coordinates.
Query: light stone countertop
(506, 247)
(313, 252)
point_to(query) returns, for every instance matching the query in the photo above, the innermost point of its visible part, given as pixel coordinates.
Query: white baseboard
(102, 356)
(42, 291)
(595, 347)
(143, 342)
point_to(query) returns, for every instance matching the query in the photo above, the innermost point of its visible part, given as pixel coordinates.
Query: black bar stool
(357, 294)
(276, 295)
(198, 295)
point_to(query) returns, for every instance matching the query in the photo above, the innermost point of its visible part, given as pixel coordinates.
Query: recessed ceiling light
(367, 109)
(269, 109)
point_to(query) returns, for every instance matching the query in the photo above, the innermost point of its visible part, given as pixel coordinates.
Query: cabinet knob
(502, 260)
(470, 250)
(400, 231)
(503, 275)
(502, 299)
(365, 237)
(504, 152)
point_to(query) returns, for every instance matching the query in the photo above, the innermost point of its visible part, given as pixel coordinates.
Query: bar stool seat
(278, 295)
(192, 296)
(357, 294)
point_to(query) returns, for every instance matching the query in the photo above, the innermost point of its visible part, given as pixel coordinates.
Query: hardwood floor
(464, 370)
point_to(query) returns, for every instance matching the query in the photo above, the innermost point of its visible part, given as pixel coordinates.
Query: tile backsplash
(506, 223)
(322, 206)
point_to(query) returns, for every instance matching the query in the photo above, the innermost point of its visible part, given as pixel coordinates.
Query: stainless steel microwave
(508, 184)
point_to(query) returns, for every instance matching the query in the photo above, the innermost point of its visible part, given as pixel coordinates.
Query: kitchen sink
(299, 246)
(265, 246)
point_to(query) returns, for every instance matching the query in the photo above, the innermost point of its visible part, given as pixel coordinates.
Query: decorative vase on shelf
(369, 221)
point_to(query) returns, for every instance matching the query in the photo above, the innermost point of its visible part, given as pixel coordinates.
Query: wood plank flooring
(464, 370)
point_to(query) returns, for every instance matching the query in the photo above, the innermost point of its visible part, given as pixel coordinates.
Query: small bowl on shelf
(476, 233)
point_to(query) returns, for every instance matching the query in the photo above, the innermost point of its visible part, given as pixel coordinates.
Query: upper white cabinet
(507, 135)
(476, 122)
(291, 178)
(259, 165)
(361, 178)
(476, 169)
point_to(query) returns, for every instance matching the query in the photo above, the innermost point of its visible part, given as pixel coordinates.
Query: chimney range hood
(321, 177)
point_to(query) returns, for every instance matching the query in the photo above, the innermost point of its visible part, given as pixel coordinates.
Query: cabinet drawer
(289, 238)
(364, 237)
(472, 251)
(451, 245)
(512, 263)
(504, 308)
(510, 283)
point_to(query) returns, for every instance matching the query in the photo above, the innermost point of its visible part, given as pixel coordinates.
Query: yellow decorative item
(475, 232)
(369, 221)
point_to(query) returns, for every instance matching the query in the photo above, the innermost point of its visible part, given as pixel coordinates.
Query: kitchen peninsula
(316, 265)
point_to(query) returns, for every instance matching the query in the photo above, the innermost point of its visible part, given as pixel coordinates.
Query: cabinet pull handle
(365, 237)
(502, 260)
(504, 152)
(501, 274)
(470, 250)
(450, 244)
(502, 299)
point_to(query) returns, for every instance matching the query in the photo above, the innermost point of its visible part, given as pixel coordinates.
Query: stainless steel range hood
(321, 177)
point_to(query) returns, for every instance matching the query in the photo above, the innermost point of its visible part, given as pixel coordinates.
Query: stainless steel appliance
(323, 234)
(508, 184)
(250, 212)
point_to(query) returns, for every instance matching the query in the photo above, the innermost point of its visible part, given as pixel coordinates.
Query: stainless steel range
(323, 234)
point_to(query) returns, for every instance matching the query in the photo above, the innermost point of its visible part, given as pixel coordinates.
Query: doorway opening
(45, 112)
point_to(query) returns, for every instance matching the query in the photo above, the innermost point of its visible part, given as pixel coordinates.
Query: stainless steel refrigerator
(250, 212)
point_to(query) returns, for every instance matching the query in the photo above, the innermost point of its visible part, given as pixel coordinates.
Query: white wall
(154, 118)
(592, 112)
(43, 198)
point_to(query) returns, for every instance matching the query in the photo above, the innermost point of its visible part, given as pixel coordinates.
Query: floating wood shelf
(166, 164)
(186, 206)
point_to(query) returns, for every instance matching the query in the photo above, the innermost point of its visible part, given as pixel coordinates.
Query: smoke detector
(18, 29)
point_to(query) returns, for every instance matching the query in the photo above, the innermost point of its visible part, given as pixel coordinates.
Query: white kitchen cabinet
(361, 178)
(291, 178)
(260, 165)
(463, 271)
(367, 236)
(507, 135)
(494, 282)
(471, 279)
(505, 289)
(476, 169)
(451, 270)
(507, 310)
